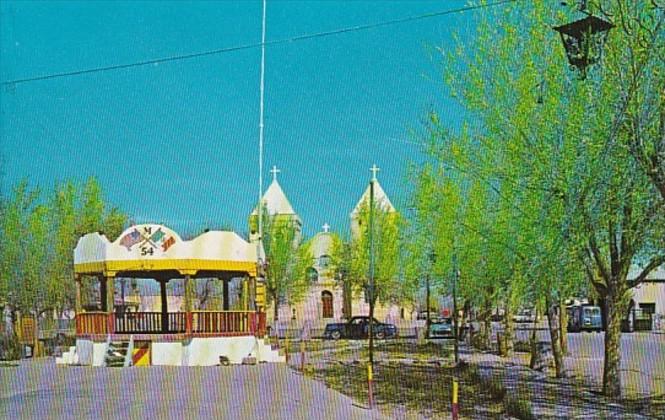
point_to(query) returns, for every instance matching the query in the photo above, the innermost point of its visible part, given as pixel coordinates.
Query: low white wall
(98, 354)
(206, 351)
(169, 354)
(84, 350)
(194, 352)
(90, 353)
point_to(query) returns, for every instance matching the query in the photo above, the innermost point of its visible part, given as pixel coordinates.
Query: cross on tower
(326, 227)
(374, 169)
(274, 171)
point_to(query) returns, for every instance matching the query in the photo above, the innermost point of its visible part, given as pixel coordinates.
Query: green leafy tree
(39, 236)
(287, 261)
(560, 156)
(386, 254)
(340, 264)
(17, 209)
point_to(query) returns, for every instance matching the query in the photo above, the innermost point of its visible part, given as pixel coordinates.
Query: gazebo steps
(118, 353)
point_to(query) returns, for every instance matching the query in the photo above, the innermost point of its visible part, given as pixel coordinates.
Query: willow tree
(557, 149)
(39, 233)
(287, 261)
(621, 221)
(426, 244)
(386, 236)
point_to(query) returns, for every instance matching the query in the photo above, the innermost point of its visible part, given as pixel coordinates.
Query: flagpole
(263, 61)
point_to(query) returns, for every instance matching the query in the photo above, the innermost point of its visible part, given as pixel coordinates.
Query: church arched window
(324, 261)
(312, 275)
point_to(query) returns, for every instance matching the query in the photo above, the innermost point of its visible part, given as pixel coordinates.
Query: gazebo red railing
(92, 323)
(200, 323)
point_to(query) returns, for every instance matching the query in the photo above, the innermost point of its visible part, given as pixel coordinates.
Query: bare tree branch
(653, 264)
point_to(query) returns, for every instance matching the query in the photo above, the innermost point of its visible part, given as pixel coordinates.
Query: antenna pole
(263, 62)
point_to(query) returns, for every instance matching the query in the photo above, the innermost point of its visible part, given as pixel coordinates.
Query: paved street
(39, 389)
(642, 358)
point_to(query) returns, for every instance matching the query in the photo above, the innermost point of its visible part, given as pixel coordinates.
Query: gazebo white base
(196, 351)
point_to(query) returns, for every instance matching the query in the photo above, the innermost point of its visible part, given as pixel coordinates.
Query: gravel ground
(40, 389)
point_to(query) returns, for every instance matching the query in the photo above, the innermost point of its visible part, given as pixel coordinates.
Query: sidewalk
(39, 389)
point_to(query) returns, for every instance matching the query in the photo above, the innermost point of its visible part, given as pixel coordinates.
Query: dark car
(440, 328)
(358, 327)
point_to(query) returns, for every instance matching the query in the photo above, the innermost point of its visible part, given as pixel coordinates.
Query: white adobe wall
(98, 354)
(168, 354)
(206, 351)
(84, 351)
(89, 353)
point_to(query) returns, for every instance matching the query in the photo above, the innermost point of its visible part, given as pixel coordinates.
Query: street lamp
(432, 257)
(584, 40)
(455, 314)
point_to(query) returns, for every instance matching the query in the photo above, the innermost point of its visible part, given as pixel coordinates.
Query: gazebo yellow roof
(151, 247)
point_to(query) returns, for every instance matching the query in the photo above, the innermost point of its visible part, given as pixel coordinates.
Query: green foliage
(38, 240)
(10, 347)
(287, 259)
(386, 237)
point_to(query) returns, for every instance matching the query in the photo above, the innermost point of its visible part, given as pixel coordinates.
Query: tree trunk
(509, 332)
(35, 338)
(553, 322)
(347, 297)
(485, 330)
(611, 374)
(275, 302)
(563, 327)
(533, 341)
(462, 333)
(427, 298)
(602, 302)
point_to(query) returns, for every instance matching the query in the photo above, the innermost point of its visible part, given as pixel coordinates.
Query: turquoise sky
(177, 142)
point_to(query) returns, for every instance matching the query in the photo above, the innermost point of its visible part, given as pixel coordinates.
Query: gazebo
(188, 337)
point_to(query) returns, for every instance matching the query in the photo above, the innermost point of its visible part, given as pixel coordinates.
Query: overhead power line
(256, 45)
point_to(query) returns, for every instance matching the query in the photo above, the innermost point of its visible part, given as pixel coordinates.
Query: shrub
(518, 408)
(496, 389)
(472, 373)
(522, 346)
(10, 347)
(480, 341)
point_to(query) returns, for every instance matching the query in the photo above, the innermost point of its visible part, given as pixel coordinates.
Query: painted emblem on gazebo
(147, 240)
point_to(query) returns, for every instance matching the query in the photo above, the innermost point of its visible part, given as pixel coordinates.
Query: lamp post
(371, 292)
(432, 257)
(455, 315)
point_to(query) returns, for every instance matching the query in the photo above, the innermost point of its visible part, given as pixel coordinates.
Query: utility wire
(256, 45)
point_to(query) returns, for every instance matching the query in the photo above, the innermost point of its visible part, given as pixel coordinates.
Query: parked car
(441, 328)
(358, 327)
(584, 318)
(525, 315)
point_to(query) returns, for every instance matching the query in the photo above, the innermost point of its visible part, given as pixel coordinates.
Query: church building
(327, 299)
